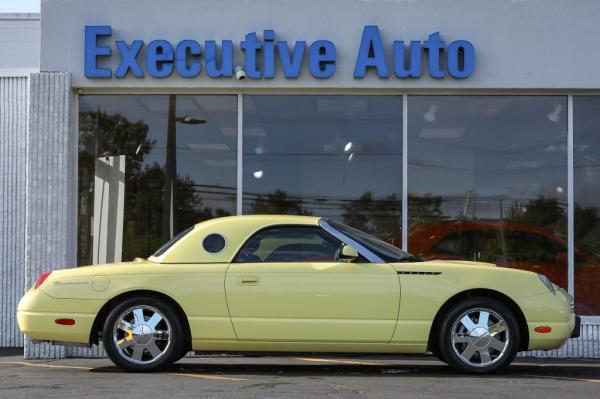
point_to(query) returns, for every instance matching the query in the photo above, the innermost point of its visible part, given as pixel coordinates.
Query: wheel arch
(96, 330)
(505, 299)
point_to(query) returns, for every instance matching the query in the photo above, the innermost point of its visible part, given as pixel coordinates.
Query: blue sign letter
(468, 58)
(291, 63)
(434, 45)
(414, 63)
(322, 59)
(269, 54)
(212, 69)
(159, 58)
(188, 68)
(250, 46)
(370, 54)
(93, 51)
(128, 58)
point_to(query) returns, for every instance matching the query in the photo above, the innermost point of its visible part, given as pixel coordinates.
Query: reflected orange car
(518, 246)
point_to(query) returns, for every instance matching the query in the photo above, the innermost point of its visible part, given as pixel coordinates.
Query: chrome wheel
(480, 337)
(142, 334)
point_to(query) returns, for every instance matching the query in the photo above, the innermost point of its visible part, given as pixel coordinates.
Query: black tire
(436, 352)
(488, 351)
(139, 338)
(182, 354)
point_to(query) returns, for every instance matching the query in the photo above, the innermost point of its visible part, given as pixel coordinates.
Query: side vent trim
(420, 273)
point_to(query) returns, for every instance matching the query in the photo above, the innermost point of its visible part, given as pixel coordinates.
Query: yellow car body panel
(289, 307)
(316, 302)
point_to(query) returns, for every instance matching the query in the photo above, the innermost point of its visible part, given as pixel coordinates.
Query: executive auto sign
(189, 59)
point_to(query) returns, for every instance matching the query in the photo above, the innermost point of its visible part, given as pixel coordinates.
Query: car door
(286, 285)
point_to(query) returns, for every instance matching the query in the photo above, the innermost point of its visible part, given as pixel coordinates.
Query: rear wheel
(479, 336)
(142, 334)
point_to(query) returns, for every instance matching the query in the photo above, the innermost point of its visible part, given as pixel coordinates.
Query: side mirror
(348, 254)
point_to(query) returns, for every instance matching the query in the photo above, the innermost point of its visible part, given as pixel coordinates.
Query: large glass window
(149, 167)
(334, 156)
(487, 180)
(586, 157)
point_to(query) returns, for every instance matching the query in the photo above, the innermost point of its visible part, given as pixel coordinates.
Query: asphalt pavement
(296, 377)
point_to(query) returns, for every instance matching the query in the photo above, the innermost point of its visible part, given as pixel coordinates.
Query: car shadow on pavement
(573, 372)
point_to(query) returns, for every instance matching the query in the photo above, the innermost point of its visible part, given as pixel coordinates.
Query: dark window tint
(289, 244)
(521, 246)
(172, 242)
(458, 244)
(214, 243)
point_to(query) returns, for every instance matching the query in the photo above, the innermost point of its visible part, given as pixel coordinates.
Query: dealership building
(453, 129)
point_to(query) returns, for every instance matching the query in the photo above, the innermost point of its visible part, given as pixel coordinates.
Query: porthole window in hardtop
(214, 243)
(290, 244)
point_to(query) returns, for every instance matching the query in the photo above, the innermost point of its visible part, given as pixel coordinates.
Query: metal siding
(13, 130)
(587, 346)
(50, 226)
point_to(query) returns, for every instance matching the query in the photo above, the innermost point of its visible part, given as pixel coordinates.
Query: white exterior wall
(519, 44)
(19, 43)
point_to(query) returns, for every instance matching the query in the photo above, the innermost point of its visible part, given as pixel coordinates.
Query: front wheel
(479, 336)
(142, 334)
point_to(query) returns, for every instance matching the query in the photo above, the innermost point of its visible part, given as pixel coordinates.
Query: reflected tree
(103, 134)
(380, 217)
(587, 229)
(426, 209)
(278, 203)
(541, 211)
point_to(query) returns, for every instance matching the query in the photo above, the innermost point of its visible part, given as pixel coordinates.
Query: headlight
(546, 282)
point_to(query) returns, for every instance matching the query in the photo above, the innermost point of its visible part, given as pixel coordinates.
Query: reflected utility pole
(170, 191)
(169, 216)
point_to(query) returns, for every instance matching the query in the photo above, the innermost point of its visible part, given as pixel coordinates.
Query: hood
(444, 263)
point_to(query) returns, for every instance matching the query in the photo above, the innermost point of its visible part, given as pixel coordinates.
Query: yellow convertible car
(290, 284)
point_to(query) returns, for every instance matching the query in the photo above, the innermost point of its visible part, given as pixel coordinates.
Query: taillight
(41, 280)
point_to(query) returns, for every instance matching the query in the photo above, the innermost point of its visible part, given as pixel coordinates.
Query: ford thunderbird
(296, 284)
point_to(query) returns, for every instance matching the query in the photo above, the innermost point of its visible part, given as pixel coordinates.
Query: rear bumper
(577, 329)
(42, 326)
(37, 313)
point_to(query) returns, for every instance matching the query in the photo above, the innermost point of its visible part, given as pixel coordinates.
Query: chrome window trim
(364, 251)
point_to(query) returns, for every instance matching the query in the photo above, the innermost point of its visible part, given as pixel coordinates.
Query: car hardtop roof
(263, 219)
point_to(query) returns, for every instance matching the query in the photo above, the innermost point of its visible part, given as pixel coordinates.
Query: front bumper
(550, 309)
(577, 329)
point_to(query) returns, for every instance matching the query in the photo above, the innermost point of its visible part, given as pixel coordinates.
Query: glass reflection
(487, 180)
(334, 156)
(586, 157)
(150, 166)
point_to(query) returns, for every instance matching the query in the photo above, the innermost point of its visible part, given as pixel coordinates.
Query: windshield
(386, 251)
(172, 241)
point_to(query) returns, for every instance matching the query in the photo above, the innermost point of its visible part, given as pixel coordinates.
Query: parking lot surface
(296, 377)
